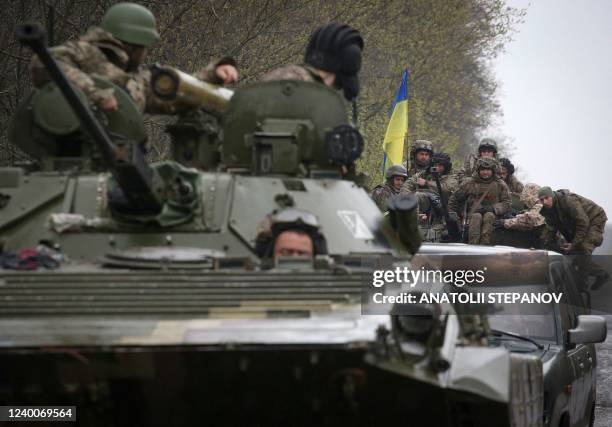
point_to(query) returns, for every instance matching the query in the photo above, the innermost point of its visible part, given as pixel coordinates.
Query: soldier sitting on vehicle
(115, 51)
(581, 222)
(506, 172)
(395, 177)
(431, 206)
(483, 198)
(426, 180)
(420, 157)
(290, 232)
(486, 148)
(333, 57)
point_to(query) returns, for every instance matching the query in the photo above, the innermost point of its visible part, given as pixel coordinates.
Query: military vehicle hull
(177, 347)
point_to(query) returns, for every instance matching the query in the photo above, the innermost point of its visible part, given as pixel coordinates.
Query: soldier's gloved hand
(498, 224)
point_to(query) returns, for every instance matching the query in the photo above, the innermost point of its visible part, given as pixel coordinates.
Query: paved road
(603, 409)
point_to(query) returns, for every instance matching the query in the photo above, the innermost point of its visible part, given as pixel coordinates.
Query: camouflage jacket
(413, 168)
(469, 167)
(448, 182)
(382, 193)
(531, 217)
(293, 72)
(468, 194)
(514, 185)
(570, 215)
(98, 53)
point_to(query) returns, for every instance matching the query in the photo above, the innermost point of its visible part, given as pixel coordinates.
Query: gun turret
(124, 158)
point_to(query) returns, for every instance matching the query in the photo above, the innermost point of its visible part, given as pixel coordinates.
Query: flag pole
(407, 116)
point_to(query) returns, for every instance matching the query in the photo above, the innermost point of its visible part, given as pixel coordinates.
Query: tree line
(447, 46)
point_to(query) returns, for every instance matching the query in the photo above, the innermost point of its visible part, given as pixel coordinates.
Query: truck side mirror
(589, 329)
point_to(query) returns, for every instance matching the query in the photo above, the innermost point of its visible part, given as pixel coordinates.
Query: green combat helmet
(396, 170)
(131, 23)
(487, 144)
(487, 163)
(421, 145)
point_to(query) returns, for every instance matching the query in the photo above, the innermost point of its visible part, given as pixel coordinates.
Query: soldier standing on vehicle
(483, 198)
(115, 51)
(430, 186)
(580, 221)
(419, 158)
(486, 148)
(395, 177)
(333, 57)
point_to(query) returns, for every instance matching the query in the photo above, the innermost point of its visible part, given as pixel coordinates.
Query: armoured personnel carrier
(145, 302)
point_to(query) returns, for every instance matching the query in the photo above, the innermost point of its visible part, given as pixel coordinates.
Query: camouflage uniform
(432, 228)
(382, 193)
(448, 182)
(531, 218)
(414, 168)
(515, 186)
(99, 53)
(497, 201)
(579, 220)
(469, 167)
(303, 73)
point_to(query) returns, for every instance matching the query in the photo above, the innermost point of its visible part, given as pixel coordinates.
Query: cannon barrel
(183, 89)
(125, 160)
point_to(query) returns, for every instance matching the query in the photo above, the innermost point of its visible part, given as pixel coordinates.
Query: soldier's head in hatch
(334, 51)
(290, 232)
(293, 243)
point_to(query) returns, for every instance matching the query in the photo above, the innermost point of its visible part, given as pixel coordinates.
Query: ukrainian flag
(397, 130)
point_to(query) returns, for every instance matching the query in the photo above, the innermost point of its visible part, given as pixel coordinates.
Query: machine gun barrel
(171, 84)
(127, 163)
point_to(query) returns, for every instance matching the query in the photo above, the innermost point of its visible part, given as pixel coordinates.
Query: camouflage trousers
(592, 239)
(594, 235)
(481, 228)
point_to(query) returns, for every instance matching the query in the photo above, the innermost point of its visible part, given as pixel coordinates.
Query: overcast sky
(556, 96)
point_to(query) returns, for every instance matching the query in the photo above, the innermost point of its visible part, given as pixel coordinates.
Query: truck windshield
(536, 321)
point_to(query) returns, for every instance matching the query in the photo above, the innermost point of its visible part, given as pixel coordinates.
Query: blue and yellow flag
(397, 130)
